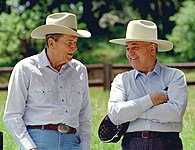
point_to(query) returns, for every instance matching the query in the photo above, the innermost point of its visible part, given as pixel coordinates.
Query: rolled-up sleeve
(174, 109)
(121, 109)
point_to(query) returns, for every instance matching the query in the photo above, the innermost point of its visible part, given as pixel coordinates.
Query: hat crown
(141, 29)
(62, 19)
(60, 23)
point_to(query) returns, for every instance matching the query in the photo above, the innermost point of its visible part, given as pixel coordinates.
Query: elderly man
(151, 97)
(48, 105)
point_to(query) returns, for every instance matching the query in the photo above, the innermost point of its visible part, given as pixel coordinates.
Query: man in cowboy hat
(151, 97)
(48, 105)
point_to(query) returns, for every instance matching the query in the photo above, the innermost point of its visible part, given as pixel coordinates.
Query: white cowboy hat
(143, 30)
(62, 23)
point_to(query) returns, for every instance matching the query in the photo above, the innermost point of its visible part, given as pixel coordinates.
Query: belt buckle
(63, 128)
(145, 134)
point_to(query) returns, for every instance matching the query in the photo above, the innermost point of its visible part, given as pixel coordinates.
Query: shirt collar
(155, 70)
(43, 60)
(70, 64)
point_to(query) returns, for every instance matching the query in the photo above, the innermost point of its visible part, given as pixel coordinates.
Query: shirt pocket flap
(42, 89)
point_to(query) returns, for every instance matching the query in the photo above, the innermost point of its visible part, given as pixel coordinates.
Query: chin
(135, 66)
(69, 59)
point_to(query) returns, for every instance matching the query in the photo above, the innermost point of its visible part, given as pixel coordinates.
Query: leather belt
(152, 134)
(62, 128)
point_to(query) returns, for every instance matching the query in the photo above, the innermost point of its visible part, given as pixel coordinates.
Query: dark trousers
(153, 143)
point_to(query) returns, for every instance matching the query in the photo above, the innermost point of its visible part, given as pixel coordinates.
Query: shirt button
(61, 87)
(66, 111)
(62, 100)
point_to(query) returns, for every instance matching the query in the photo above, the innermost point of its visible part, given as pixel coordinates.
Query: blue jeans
(54, 140)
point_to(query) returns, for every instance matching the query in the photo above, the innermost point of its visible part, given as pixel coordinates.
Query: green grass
(7, 139)
(99, 99)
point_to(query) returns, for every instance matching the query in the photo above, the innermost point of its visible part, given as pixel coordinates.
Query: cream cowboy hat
(62, 23)
(143, 30)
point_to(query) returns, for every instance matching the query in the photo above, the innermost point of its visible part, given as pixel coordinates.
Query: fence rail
(103, 74)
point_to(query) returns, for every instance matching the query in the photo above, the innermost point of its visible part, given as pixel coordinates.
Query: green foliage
(183, 34)
(97, 49)
(17, 25)
(116, 19)
(8, 24)
(15, 28)
(107, 19)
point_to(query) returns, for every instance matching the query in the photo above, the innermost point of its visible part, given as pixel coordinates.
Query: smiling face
(142, 55)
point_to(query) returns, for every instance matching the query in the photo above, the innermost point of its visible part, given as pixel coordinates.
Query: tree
(104, 18)
(183, 34)
(15, 32)
(17, 22)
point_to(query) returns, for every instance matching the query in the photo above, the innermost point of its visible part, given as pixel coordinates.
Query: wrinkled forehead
(69, 37)
(137, 42)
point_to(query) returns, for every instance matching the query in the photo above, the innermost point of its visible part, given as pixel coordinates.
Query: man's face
(65, 46)
(142, 55)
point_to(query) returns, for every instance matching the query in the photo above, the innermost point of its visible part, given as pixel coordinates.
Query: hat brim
(163, 45)
(42, 31)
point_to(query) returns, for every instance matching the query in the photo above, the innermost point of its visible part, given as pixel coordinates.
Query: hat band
(74, 29)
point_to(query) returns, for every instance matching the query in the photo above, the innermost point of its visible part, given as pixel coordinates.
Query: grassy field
(99, 100)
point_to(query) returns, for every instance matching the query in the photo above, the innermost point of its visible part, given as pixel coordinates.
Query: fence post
(1, 140)
(107, 76)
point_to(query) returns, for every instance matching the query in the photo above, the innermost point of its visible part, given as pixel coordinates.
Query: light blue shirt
(40, 95)
(130, 100)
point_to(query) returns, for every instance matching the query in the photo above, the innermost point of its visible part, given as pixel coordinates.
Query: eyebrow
(134, 44)
(71, 40)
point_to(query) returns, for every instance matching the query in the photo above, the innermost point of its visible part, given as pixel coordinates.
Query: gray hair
(55, 37)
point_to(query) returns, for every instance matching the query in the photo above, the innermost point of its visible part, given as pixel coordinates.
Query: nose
(73, 46)
(129, 51)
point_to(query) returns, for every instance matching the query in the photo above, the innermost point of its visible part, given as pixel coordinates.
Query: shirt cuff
(27, 143)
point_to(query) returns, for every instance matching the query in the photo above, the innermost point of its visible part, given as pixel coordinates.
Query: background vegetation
(104, 19)
(99, 99)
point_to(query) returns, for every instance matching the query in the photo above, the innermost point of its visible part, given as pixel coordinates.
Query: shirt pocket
(74, 96)
(42, 90)
(41, 95)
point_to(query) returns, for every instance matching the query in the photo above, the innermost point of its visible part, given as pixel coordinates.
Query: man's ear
(51, 43)
(153, 48)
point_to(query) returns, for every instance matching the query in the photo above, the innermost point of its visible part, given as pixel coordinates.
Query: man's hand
(159, 98)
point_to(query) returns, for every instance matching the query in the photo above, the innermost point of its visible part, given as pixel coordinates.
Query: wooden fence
(103, 74)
